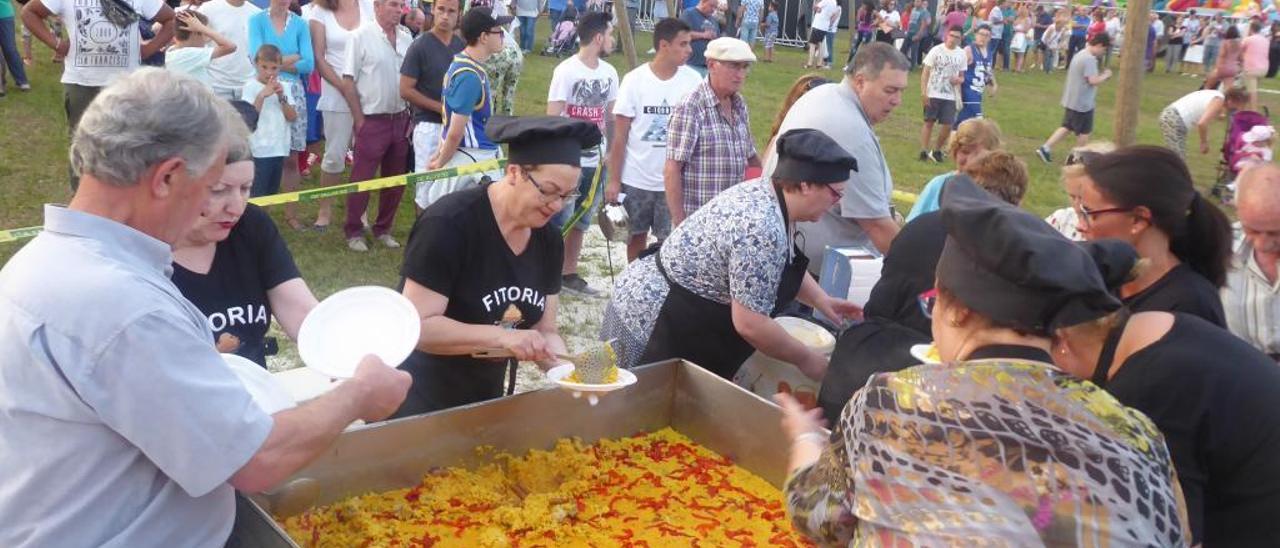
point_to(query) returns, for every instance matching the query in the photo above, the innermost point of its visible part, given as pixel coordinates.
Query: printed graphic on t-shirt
(236, 316)
(587, 100)
(99, 42)
(499, 298)
(656, 133)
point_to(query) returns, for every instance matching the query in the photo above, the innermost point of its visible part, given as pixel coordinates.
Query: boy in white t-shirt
(584, 87)
(270, 141)
(646, 98)
(191, 53)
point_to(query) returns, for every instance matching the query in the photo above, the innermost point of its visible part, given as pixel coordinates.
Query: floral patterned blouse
(991, 453)
(732, 249)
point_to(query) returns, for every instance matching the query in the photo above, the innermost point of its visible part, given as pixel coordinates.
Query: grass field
(33, 156)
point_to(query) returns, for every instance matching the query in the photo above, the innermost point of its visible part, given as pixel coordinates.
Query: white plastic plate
(355, 322)
(560, 373)
(267, 392)
(921, 352)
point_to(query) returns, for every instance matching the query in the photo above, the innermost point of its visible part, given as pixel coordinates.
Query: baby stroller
(1241, 122)
(563, 40)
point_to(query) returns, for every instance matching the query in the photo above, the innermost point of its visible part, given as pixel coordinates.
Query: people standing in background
(505, 66)
(1021, 40)
(1255, 51)
(1212, 36)
(749, 12)
(191, 54)
(944, 68)
(1250, 299)
(1177, 39)
(230, 18)
(1273, 55)
(375, 53)
(888, 22)
(585, 87)
(289, 33)
(1043, 23)
(9, 49)
(709, 143)
(421, 82)
(701, 18)
(555, 12)
(979, 75)
(1230, 60)
(771, 24)
(864, 28)
(647, 96)
(1115, 29)
(527, 14)
(823, 12)
(833, 27)
(917, 31)
(270, 141)
(93, 61)
(1079, 96)
(1079, 31)
(995, 25)
(468, 103)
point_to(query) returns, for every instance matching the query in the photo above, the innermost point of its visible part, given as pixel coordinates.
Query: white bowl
(356, 322)
(267, 392)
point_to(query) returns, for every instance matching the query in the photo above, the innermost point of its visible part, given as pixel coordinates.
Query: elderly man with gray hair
(1251, 298)
(871, 90)
(122, 425)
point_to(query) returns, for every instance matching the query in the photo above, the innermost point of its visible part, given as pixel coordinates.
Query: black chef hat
(1015, 269)
(540, 140)
(810, 156)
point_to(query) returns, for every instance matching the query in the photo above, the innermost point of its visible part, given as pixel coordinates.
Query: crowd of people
(1108, 375)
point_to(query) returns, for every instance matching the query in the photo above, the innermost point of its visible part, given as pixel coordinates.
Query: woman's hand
(814, 366)
(526, 345)
(796, 420)
(838, 310)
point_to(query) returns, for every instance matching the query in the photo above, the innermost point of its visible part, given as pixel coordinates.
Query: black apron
(701, 330)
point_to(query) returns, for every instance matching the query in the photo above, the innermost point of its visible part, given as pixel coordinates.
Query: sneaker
(24, 87)
(924, 156)
(1043, 154)
(574, 283)
(388, 241)
(357, 244)
(938, 156)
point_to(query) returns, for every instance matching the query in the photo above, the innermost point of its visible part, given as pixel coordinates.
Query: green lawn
(33, 153)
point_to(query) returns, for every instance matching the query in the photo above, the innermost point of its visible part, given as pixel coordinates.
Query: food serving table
(396, 454)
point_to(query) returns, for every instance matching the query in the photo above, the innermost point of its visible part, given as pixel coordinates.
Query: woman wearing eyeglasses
(482, 267)
(1143, 195)
(995, 445)
(708, 293)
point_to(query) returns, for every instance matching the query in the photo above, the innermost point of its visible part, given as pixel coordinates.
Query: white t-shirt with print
(648, 102)
(944, 64)
(271, 138)
(822, 19)
(193, 62)
(229, 72)
(336, 39)
(587, 94)
(99, 51)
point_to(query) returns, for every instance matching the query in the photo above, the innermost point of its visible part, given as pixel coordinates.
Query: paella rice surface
(657, 489)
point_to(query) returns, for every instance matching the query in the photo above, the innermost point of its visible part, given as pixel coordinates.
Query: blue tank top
(975, 76)
(473, 136)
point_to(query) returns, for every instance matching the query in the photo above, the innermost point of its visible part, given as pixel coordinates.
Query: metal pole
(1133, 60)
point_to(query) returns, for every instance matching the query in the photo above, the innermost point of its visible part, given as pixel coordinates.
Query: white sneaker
(357, 244)
(388, 241)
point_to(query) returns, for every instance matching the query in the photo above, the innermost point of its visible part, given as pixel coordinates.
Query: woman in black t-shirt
(1215, 399)
(234, 266)
(1143, 195)
(483, 267)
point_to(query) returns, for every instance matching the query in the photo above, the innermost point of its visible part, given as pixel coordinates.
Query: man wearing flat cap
(482, 267)
(709, 143)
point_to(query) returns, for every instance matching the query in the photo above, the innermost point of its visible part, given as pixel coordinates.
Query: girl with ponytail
(1144, 195)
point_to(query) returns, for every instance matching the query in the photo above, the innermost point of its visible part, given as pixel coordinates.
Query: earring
(954, 322)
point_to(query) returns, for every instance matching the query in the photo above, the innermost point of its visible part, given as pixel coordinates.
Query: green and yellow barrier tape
(407, 179)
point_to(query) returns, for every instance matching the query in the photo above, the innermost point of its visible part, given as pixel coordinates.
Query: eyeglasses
(838, 195)
(551, 197)
(927, 300)
(499, 32)
(1087, 215)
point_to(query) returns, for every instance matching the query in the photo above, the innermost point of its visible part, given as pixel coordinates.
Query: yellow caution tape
(327, 192)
